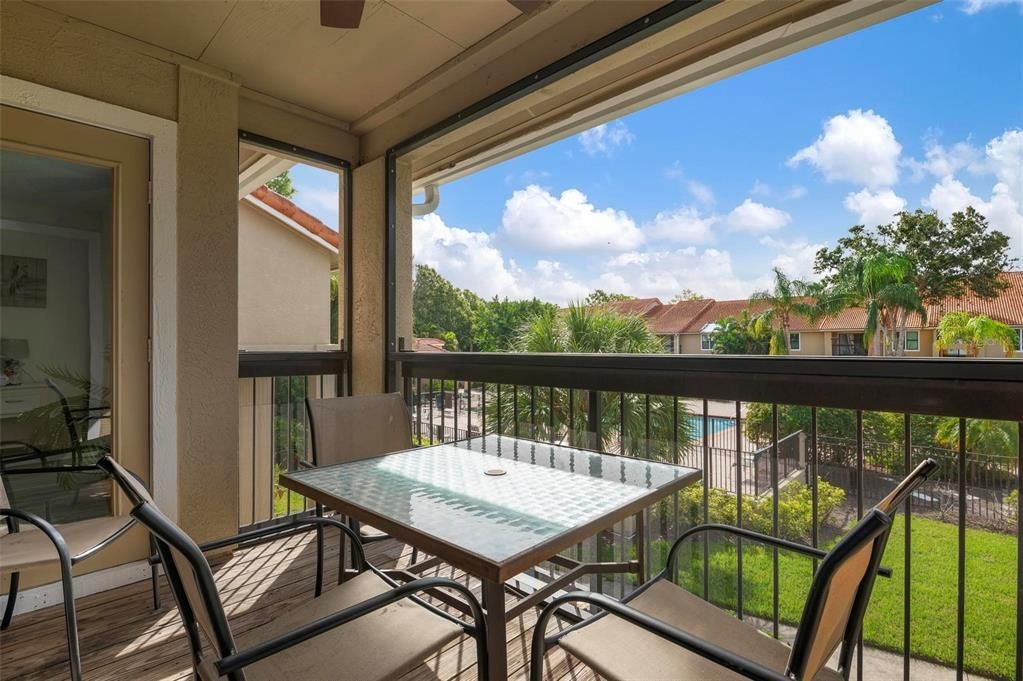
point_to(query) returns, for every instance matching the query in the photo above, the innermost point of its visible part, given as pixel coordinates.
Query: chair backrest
(843, 583)
(891, 503)
(351, 428)
(133, 487)
(188, 572)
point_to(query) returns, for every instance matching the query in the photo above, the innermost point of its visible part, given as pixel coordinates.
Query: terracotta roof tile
(286, 207)
(640, 306)
(1006, 308)
(731, 308)
(429, 345)
(676, 317)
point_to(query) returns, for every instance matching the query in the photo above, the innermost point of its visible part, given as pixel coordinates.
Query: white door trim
(163, 136)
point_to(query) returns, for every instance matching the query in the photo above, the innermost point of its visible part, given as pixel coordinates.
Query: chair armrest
(88, 468)
(755, 536)
(240, 660)
(694, 644)
(273, 530)
(46, 528)
(306, 465)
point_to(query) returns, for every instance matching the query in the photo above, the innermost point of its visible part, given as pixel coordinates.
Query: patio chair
(43, 545)
(351, 428)
(661, 631)
(367, 628)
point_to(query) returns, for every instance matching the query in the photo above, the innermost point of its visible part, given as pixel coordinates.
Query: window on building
(848, 344)
(1019, 340)
(669, 343)
(912, 341)
(794, 341)
(706, 341)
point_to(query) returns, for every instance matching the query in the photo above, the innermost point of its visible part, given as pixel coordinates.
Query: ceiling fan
(348, 13)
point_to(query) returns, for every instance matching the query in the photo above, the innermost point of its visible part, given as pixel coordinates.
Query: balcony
(950, 606)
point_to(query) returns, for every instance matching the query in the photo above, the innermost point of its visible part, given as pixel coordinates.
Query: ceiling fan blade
(341, 13)
(525, 6)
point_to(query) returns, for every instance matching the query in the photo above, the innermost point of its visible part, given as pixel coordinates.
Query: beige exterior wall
(689, 344)
(283, 284)
(811, 344)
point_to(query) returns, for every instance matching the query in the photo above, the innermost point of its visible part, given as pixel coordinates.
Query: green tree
(789, 297)
(437, 307)
(497, 324)
(584, 329)
(334, 292)
(952, 259)
(984, 436)
(881, 283)
(974, 332)
(600, 297)
(282, 185)
(686, 294)
(743, 334)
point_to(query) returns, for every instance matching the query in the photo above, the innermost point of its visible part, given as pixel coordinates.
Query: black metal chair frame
(874, 526)
(352, 522)
(232, 662)
(66, 560)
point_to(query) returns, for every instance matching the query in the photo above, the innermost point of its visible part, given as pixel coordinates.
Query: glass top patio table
(446, 499)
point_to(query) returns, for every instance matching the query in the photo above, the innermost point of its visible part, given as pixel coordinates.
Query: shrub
(795, 509)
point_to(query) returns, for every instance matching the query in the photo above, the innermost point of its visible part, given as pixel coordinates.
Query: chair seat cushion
(31, 548)
(617, 649)
(381, 645)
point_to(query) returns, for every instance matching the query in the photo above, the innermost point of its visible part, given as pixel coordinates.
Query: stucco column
(207, 312)
(369, 271)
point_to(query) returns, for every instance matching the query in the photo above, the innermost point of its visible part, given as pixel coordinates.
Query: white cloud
(856, 147)
(701, 193)
(796, 191)
(756, 218)
(605, 138)
(974, 6)
(321, 203)
(940, 160)
(1003, 210)
(795, 258)
(665, 273)
(467, 259)
(875, 208)
(760, 188)
(674, 171)
(536, 219)
(684, 225)
(1004, 158)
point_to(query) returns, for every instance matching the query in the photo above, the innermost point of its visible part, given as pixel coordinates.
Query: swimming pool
(715, 424)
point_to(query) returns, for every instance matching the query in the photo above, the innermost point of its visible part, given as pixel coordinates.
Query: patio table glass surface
(445, 491)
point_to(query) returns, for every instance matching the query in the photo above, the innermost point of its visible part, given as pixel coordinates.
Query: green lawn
(990, 593)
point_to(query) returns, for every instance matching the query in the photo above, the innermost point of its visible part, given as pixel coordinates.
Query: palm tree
(998, 438)
(974, 332)
(743, 334)
(562, 415)
(881, 284)
(788, 298)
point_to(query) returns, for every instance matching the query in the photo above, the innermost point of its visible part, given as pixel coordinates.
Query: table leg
(497, 630)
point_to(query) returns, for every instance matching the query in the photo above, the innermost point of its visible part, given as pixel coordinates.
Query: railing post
(593, 420)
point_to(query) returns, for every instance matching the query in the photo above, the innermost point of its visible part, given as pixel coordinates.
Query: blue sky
(712, 189)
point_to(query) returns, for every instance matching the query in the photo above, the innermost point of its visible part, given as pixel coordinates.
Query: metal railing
(806, 485)
(274, 428)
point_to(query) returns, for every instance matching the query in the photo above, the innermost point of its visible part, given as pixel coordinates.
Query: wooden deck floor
(122, 637)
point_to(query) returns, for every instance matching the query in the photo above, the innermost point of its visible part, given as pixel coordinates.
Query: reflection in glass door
(74, 291)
